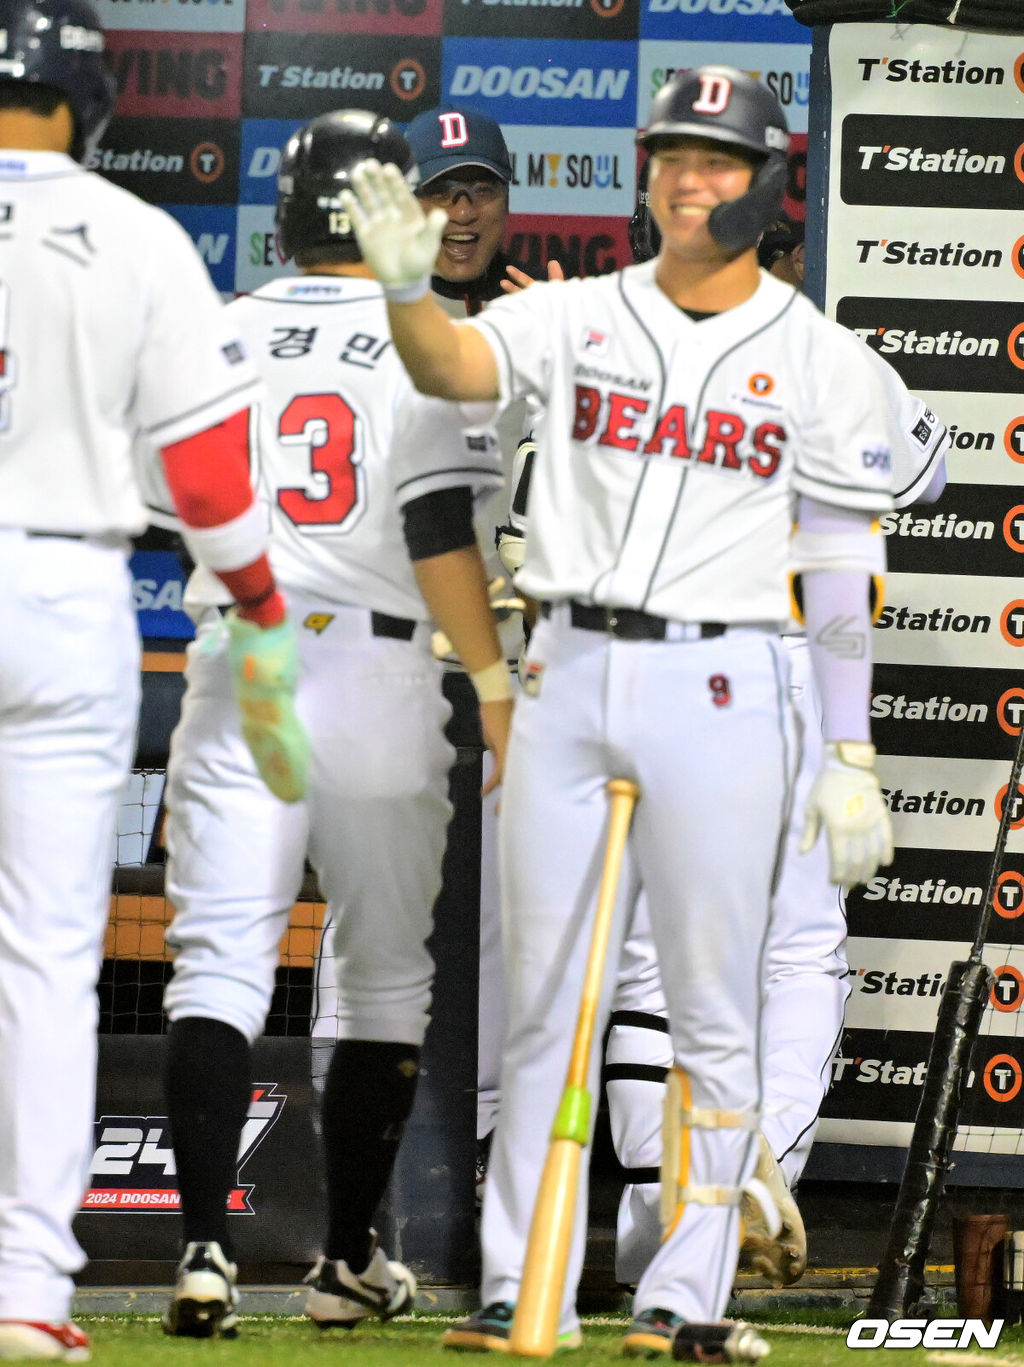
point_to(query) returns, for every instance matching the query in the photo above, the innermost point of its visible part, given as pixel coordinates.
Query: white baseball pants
(69, 700)
(716, 785)
(805, 993)
(374, 825)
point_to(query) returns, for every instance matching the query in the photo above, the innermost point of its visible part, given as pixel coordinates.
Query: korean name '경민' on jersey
(344, 441)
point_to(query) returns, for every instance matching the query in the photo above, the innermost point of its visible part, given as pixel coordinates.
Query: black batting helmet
(728, 106)
(315, 166)
(60, 44)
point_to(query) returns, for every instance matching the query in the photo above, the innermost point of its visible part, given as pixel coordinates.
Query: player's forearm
(837, 613)
(442, 358)
(208, 476)
(454, 588)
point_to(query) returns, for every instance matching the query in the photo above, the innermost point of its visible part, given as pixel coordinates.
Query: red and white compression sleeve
(225, 530)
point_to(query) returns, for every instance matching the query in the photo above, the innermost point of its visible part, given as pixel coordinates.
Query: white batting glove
(398, 241)
(846, 799)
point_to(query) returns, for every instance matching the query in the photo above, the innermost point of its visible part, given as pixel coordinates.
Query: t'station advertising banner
(925, 262)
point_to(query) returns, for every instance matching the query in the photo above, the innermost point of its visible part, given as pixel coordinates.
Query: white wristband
(407, 294)
(494, 683)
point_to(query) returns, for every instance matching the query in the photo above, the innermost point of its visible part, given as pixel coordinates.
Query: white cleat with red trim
(25, 1340)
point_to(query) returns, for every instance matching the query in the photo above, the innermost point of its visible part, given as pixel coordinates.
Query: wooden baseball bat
(535, 1326)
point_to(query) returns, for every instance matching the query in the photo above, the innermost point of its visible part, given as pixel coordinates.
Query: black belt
(399, 628)
(628, 624)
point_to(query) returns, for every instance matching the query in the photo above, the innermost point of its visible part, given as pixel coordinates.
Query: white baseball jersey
(92, 357)
(920, 440)
(344, 441)
(672, 449)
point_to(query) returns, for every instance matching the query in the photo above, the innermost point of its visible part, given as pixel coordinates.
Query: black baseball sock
(208, 1083)
(367, 1099)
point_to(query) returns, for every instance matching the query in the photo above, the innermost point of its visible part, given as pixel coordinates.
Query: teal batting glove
(265, 665)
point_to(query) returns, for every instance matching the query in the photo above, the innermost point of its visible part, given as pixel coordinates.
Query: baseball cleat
(205, 1300)
(773, 1242)
(338, 1299)
(487, 1330)
(650, 1334)
(25, 1340)
(728, 1341)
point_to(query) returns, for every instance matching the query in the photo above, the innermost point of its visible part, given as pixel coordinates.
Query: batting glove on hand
(265, 665)
(398, 241)
(846, 799)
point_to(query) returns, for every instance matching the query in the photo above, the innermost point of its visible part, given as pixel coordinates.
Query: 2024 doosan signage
(394, 17)
(541, 18)
(566, 83)
(943, 344)
(736, 21)
(300, 75)
(932, 162)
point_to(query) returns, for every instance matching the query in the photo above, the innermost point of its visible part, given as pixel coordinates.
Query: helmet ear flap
(738, 224)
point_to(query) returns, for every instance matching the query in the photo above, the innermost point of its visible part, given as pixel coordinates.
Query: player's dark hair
(43, 100)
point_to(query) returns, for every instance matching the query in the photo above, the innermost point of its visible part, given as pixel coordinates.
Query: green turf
(271, 1341)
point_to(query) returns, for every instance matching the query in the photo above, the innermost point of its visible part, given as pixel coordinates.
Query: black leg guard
(208, 1082)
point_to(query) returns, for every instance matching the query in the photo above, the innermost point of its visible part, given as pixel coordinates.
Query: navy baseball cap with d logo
(452, 136)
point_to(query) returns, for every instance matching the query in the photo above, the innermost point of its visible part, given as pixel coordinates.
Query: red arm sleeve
(208, 476)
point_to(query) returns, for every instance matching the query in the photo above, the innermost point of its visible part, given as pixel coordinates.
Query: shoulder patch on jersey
(924, 428)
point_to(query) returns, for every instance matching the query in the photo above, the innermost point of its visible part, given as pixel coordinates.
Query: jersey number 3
(326, 426)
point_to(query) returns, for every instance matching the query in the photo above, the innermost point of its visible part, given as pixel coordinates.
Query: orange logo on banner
(1017, 258)
(607, 9)
(206, 162)
(1013, 342)
(1011, 622)
(1007, 989)
(1003, 1077)
(408, 79)
(1017, 814)
(1018, 161)
(1011, 718)
(1014, 535)
(1018, 71)
(1013, 440)
(1008, 898)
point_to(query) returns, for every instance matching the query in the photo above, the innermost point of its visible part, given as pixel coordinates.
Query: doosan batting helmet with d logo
(60, 44)
(727, 106)
(315, 166)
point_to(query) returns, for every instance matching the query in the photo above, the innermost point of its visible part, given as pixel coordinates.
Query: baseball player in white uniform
(806, 972)
(359, 474)
(464, 167)
(110, 334)
(692, 405)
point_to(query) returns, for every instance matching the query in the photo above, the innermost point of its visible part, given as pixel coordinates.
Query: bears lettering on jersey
(719, 438)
